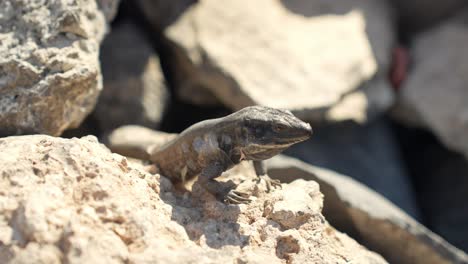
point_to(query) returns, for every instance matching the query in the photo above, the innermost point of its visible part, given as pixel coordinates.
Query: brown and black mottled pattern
(211, 147)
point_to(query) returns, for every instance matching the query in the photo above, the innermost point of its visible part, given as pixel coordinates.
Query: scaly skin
(213, 146)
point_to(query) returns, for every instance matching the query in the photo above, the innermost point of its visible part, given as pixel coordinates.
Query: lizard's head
(268, 131)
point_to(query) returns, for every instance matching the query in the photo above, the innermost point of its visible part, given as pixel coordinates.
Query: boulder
(436, 90)
(311, 57)
(134, 91)
(49, 69)
(73, 201)
(362, 213)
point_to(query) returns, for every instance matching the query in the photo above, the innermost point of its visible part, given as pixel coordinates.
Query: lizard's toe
(237, 197)
(275, 183)
(270, 183)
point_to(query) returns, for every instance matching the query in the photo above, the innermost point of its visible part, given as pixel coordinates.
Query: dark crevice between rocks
(411, 20)
(90, 126)
(440, 180)
(179, 114)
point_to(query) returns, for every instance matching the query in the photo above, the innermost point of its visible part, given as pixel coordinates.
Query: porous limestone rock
(73, 201)
(134, 90)
(374, 221)
(436, 90)
(49, 70)
(311, 57)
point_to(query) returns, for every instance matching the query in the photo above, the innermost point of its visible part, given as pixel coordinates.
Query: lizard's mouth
(293, 136)
(287, 141)
(263, 154)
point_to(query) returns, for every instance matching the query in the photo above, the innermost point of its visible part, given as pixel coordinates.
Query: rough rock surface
(305, 56)
(436, 89)
(49, 69)
(134, 88)
(72, 201)
(367, 153)
(364, 214)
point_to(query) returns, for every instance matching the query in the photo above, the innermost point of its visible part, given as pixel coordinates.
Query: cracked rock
(73, 201)
(49, 71)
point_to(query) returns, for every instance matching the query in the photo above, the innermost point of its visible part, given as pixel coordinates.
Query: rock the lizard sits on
(210, 147)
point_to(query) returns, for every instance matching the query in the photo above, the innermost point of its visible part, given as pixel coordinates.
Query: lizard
(210, 147)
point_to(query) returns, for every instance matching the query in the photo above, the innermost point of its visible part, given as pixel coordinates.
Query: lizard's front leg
(223, 193)
(260, 170)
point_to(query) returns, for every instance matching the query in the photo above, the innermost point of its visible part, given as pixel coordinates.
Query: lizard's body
(213, 146)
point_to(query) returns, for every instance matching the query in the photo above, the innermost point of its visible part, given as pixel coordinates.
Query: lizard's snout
(308, 129)
(302, 132)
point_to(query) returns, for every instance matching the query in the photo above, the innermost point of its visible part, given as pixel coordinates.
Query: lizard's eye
(279, 127)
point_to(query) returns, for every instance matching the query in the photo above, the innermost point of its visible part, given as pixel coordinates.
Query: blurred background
(383, 83)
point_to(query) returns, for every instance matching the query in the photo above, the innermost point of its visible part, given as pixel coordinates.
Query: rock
(71, 200)
(368, 153)
(360, 212)
(418, 15)
(291, 55)
(295, 206)
(136, 141)
(439, 60)
(49, 70)
(134, 88)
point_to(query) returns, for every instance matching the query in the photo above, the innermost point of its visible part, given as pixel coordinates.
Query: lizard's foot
(237, 197)
(226, 192)
(270, 183)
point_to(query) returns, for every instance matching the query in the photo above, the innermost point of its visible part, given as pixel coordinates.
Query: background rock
(49, 70)
(362, 213)
(71, 200)
(436, 86)
(290, 55)
(368, 153)
(134, 91)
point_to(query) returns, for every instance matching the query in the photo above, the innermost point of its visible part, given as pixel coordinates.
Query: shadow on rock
(202, 216)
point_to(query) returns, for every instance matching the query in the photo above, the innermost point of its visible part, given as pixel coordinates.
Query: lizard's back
(187, 155)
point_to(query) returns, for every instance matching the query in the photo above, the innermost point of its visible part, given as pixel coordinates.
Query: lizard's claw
(237, 197)
(270, 183)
